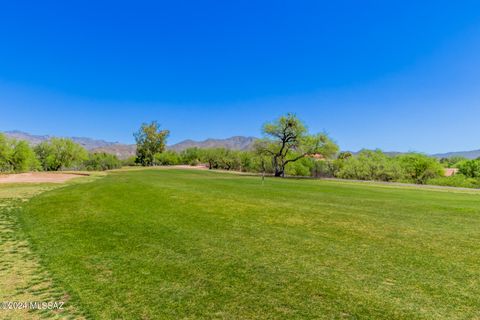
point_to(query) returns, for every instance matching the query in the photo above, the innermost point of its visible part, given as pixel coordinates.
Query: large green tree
(16, 155)
(5, 154)
(23, 157)
(100, 161)
(369, 165)
(470, 168)
(58, 153)
(287, 140)
(151, 140)
(419, 168)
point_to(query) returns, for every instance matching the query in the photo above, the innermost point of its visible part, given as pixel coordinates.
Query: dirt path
(22, 278)
(38, 177)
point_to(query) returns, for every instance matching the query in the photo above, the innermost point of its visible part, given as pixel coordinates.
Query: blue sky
(396, 75)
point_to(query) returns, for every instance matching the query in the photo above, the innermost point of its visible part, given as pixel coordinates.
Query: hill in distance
(234, 143)
(121, 150)
(124, 151)
(87, 143)
(474, 154)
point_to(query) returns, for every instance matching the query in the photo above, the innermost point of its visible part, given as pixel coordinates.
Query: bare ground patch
(39, 177)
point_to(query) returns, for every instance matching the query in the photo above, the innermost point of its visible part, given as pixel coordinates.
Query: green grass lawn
(22, 277)
(157, 244)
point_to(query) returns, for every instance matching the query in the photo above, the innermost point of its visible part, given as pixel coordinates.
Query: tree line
(286, 149)
(52, 155)
(286, 141)
(368, 165)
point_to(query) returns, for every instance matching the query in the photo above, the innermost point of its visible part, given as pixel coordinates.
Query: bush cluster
(458, 180)
(469, 168)
(101, 161)
(52, 155)
(366, 165)
(376, 165)
(63, 154)
(215, 158)
(16, 156)
(468, 174)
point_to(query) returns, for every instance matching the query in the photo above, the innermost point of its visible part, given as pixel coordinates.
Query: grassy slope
(22, 278)
(190, 244)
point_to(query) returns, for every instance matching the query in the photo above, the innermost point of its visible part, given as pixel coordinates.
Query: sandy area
(38, 177)
(183, 166)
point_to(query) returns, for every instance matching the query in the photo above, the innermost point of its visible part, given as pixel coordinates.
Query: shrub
(57, 154)
(221, 158)
(167, 158)
(130, 161)
(458, 180)
(452, 162)
(191, 156)
(369, 165)
(324, 169)
(5, 154)
(344, 155)
(419, 168)
(261, 163)
(16, 156)
(469, 168)
(101, 161)
(230, 160)
(246, 161)
(302, 167)
(23, 157)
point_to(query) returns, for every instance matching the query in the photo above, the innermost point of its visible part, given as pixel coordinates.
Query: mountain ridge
(123, 150)
(234, 143)
(473, 154)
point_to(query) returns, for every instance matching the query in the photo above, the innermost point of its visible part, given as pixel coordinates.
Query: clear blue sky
(398, 75)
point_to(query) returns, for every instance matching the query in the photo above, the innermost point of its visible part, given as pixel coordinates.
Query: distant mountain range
(474, 154)
(87, 143)
(126, 150)
(234, 143)
(123, 151)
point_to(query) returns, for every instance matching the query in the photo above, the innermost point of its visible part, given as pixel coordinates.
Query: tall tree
(287, 140)
(59, 153)
(419, 168)
(150, 141)
(5, 154)
(23, 157)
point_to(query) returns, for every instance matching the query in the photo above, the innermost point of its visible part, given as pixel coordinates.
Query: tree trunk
(279, 172)
(279, 168)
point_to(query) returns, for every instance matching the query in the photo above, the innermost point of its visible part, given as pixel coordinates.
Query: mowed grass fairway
(154, 244)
